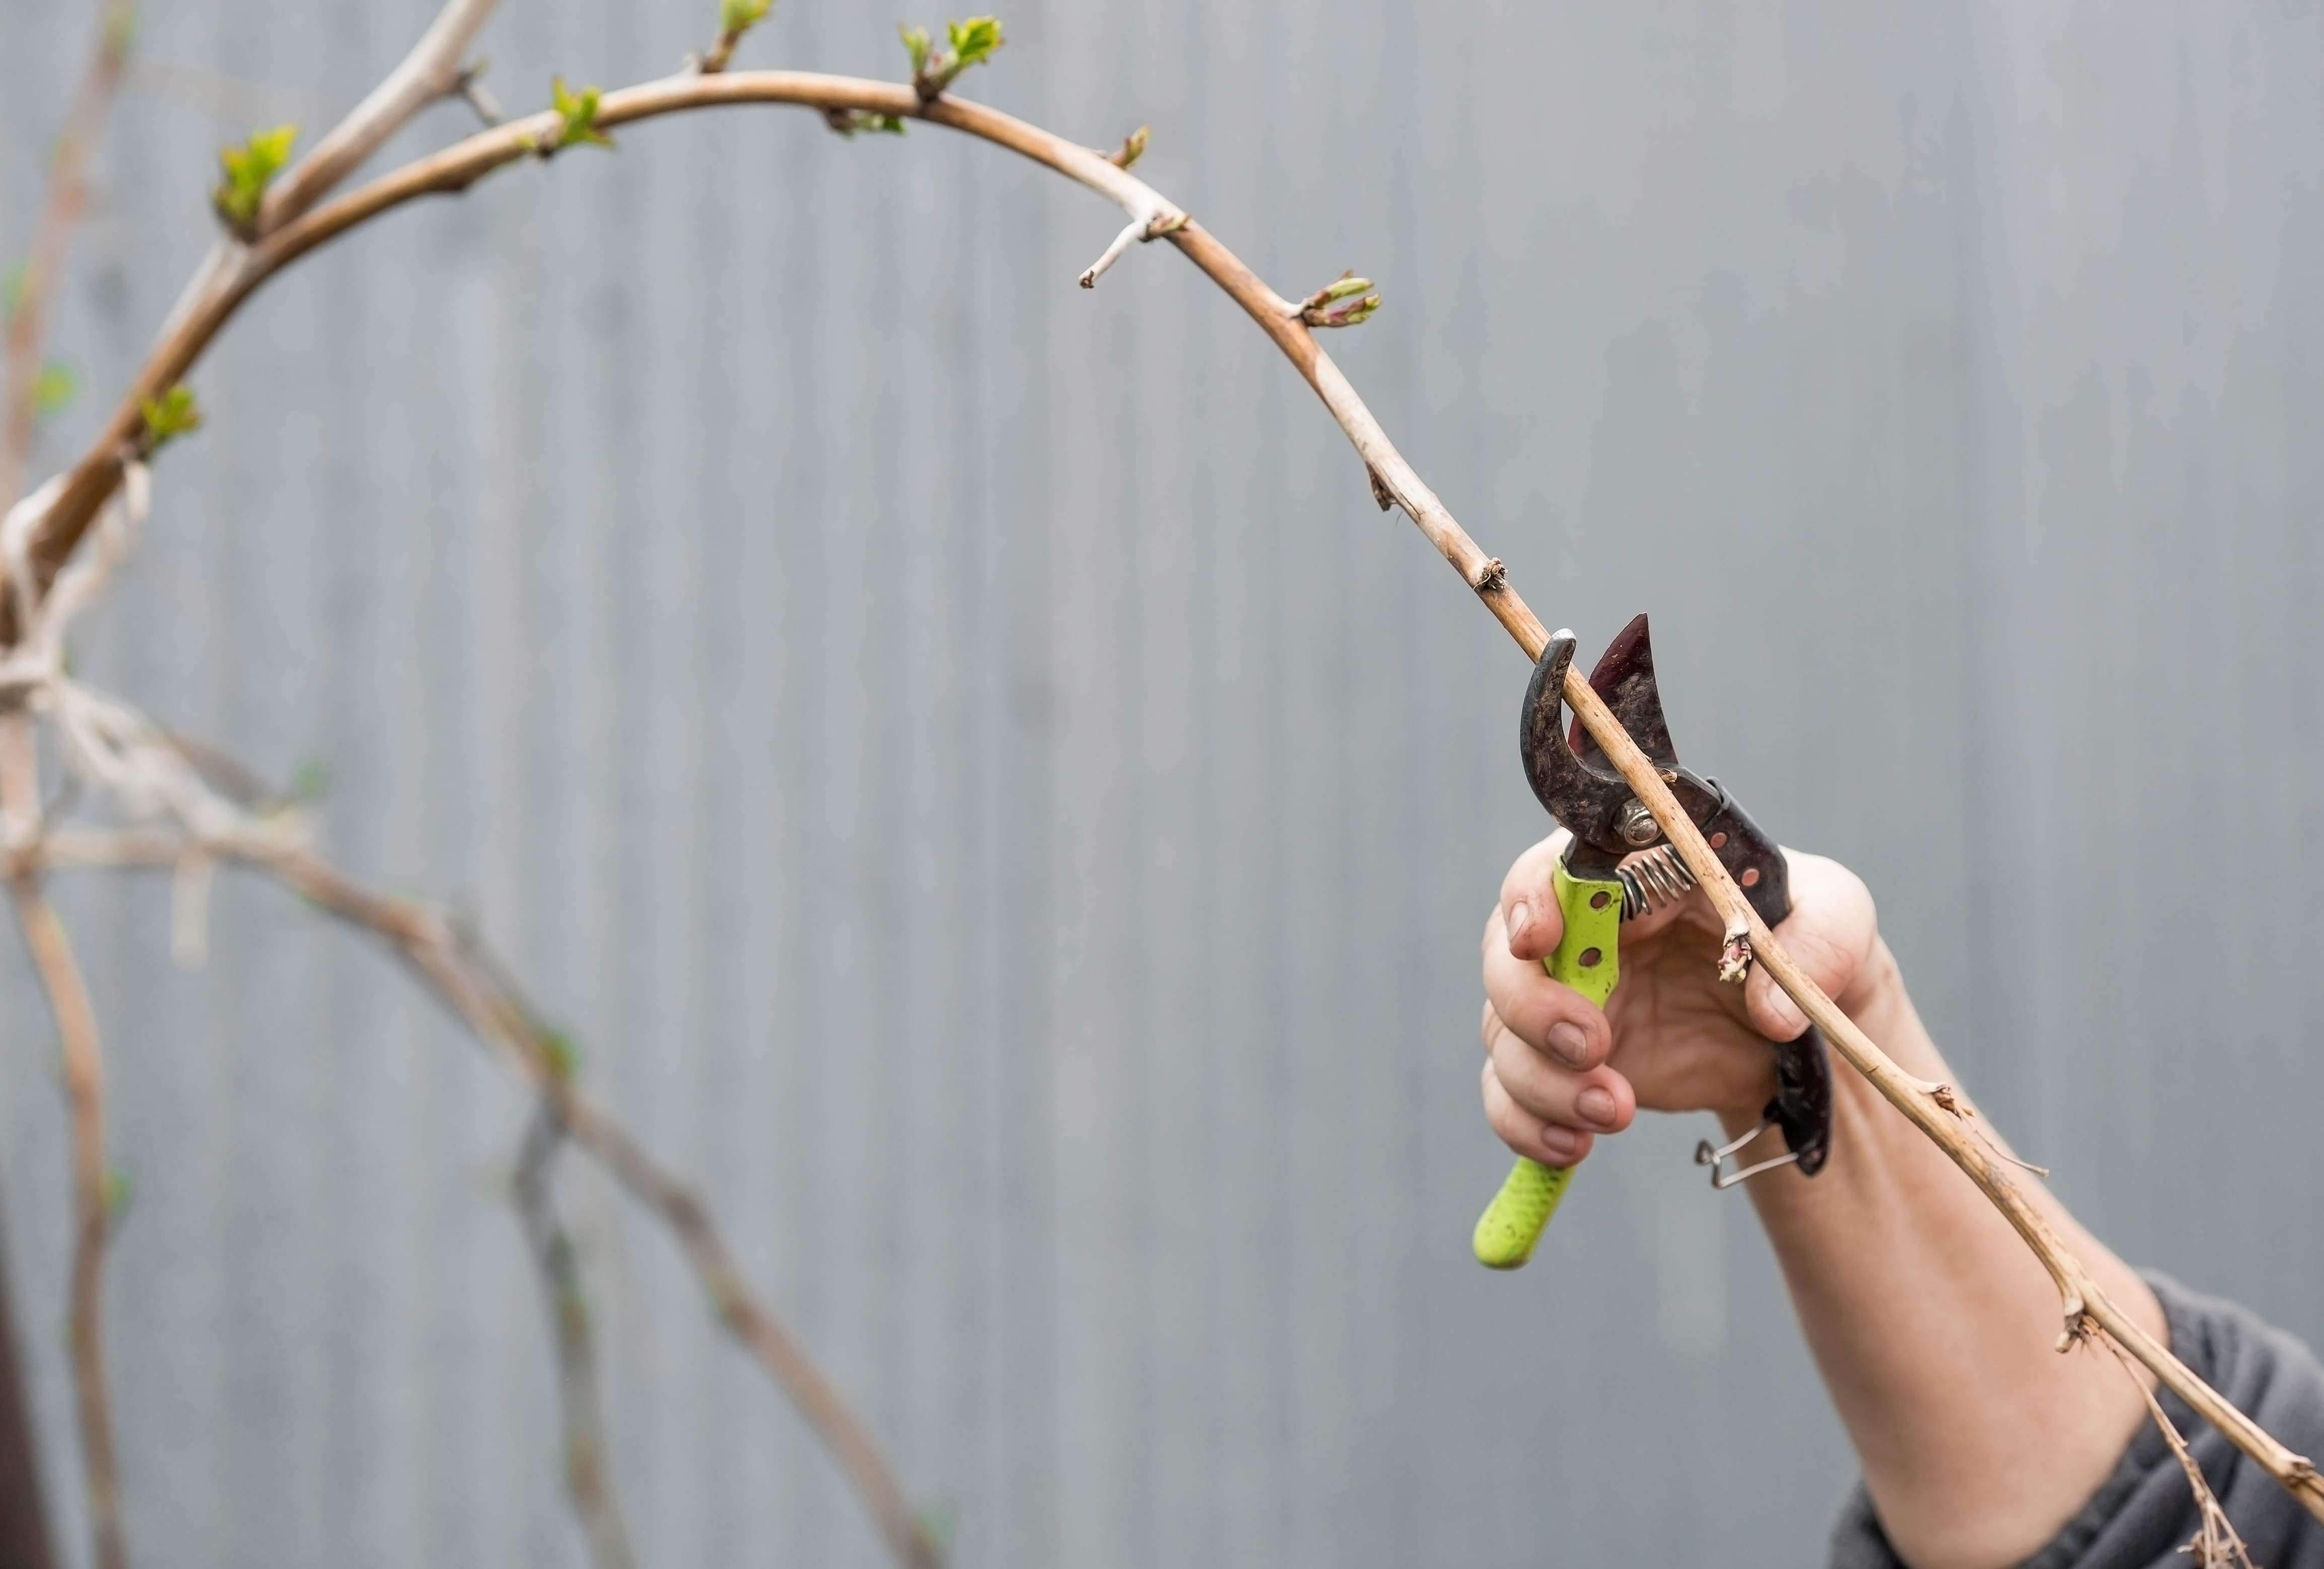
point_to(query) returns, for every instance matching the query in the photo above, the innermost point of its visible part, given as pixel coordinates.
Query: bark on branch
(81, 1058)
(588, 1476)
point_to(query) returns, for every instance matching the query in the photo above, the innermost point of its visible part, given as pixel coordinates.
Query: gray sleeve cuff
(2143, 1514)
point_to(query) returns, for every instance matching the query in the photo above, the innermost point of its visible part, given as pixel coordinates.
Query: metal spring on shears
(1655, 879)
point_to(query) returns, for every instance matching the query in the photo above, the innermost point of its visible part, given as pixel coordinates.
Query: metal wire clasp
(1716, 1156)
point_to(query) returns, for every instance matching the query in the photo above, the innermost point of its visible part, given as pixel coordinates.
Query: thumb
(1529, 912)
(1831, 934)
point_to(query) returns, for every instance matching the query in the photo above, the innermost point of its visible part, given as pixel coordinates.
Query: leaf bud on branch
(1344, 301)
(847, 121)
(735, 18)
(248, 171)
(168, 417)
(53, 386)
(967, 43)
(576, 120)
(1132, 148)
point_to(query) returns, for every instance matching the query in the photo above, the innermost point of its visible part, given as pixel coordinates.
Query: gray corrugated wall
(993, 800)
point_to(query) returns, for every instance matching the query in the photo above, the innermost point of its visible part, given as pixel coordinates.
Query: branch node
(469, 87)
(1734, 958)
(1490, 577)
(1381, 492)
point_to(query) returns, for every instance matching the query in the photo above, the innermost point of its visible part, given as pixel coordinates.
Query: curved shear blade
(1625, 677)
(1569, 772)
(1585, 798)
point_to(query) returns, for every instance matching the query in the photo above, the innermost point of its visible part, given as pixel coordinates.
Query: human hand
(1672, 1037)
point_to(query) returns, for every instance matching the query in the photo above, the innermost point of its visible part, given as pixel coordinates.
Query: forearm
(1933, 1325)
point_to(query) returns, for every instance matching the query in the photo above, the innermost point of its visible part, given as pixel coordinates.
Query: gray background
(992, 799)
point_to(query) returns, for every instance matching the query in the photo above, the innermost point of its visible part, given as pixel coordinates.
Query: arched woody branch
(1939, 1110)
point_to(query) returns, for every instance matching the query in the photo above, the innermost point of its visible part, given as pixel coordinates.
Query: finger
(1528, 1135)
(1832, 933)
(1599, 1101)
(1543, 1012)
(1530, 919)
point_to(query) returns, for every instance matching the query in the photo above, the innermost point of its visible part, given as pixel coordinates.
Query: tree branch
(247, 824)
(432, 71)
(1937, 1111)
(67, 197)
(2216, 1544)
(587, 1474)
(218, 294)
(82, 1058)
(469, 985)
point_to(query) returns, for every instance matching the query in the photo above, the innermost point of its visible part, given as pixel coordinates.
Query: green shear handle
(1586, 960)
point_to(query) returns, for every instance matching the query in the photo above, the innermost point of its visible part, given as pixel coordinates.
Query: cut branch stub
(1138, 230)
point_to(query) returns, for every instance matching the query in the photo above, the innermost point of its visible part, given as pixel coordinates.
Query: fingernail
(1570, 1042)
(1559, 1144)
(1520, 917)
(1595, 1106)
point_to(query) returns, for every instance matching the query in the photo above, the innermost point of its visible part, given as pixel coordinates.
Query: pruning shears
(1619, 865)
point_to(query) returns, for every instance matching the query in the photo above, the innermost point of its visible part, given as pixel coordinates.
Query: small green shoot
(973, 41)
(847, 121)
(53, 388)
(120, 30)
(739, 17)
(170, 416)
(117, 1194)
(248, 171)
(735, 18)
(938, 1524)
(967, 43)
(576, 116)
(558, 1053)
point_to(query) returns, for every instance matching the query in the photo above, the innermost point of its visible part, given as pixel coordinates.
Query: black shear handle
(1803, 1104)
